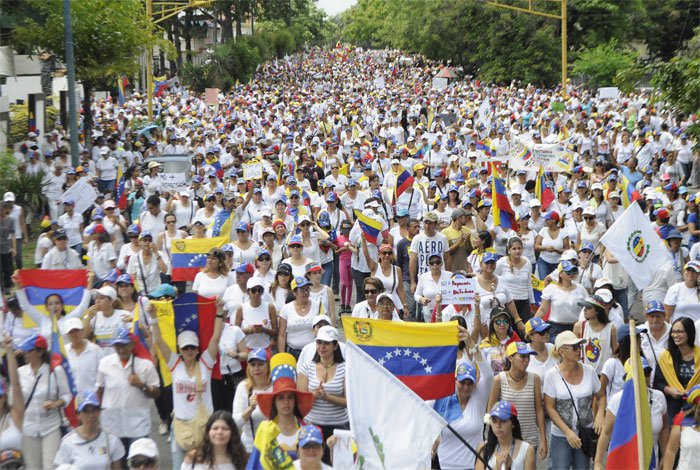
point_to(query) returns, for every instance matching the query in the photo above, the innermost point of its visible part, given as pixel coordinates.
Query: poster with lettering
(252, 171)
(460, 290)
(83, 193)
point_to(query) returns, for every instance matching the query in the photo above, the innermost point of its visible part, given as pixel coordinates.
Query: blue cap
(402, 212)
(69, 201)
(310, 434)
(196, 179)
(655, 306)
(163, 290)
(293, 192)
(586, 246)
(581, 184)
(291, 181)
(299, 282)
(245, 267)
(438, 172)
(257, 190)
(444, 195)
(271, 178)
(352, 182)
(518, 347)
(121, 336)
(331, 197)
(568, 266)
(537, 325)
(295, 240)
(242, 227)
(453, 188)
(673, 233)
(134, 229)
(86, 398)
(125, 279)
(466, 371)
(258, 354)
(35, 341)
(432, 185)
(145, 234)
(227, 248)
(503, 410)
(489, 257)
(459, 178)
(624, 331)
(111, 276)
(263, 252)
(98, 214)
(367, 166)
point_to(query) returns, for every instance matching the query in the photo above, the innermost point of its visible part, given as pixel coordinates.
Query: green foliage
(19, 125)
(600, 65)
(679, 80)
(27, 188)
(194, 76)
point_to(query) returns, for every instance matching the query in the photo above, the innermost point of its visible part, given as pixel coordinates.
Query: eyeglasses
(256, 290)
(371, 291)
(136, 462)
(264, 258)
(588, 217)
(435, 263)
(573, 347)
(500, 322)
(305, 289)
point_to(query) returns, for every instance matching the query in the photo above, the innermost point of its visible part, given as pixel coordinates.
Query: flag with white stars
(190, 256)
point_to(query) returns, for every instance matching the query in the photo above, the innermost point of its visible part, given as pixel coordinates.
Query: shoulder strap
(198, 380)
(143, 276)
(31, 394)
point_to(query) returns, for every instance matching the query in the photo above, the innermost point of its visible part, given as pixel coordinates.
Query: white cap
(187, 338)
(589, 211)
(596, 186)
(605, 295)
(109, 204)
(327, 333)
(104, 150)
(319, 318)
(184, 193)
(396, 161)
(372, 203)
(107, 291)
(535, 203)
(266, 213)
(603, 281)
(385, 295)
(304, 218)
(253, 282)
(72, 324)
(568, 255)
(9, 197)
(144, 446)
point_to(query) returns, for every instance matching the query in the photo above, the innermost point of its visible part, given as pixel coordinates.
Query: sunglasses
(295, 246)
(386, 253)
(283, 273)
(256, 290)
(305, 224)
(588, 217)
(304, 289)
(136, 462)
(189, 347)
(572, 272)
(435, 263)
(264, 258)
(501, 322)
(371, 291)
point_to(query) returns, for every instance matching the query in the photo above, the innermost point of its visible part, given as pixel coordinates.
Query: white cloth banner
(82, 193)
(393, 427)
(636, 245)
(529, 156)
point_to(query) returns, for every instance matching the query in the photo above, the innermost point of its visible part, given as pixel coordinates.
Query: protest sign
(252, 171)
(459, 290)
(529, 156)
(173, 181)
(83, 193)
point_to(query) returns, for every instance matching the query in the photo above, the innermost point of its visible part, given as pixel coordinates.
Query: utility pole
(562, 17)
(72, 102)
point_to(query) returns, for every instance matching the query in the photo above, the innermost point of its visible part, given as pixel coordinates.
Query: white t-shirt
(299, 328)
(241, 401)
(104, 327)
(540, 368)
(615, 372)
(686, 300)
(424, 246)
(564, 304)
(583, 392)
(230, 337)
(208, 287)
(88, 455)
(259, 315)
(185, 401)
(108, 168)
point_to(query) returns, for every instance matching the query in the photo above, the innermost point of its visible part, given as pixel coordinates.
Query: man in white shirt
(126, 384)
(60, 256)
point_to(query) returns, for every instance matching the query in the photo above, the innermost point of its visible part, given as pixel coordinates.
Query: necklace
(510, 374)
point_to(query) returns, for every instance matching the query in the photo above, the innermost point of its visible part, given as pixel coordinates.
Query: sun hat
(283, 375)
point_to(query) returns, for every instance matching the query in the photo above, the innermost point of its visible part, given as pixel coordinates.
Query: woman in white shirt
(101, 254)
(45, 391)
(104, 318)
(164, 240)
(515, 271)
(296, 318)
(246, 413)
(561, 300)
(551, 242)
(12, 412)
(428, 286)
(212, 280)
(182, 208)
(146, 266)
(683, 298)
(190, 373)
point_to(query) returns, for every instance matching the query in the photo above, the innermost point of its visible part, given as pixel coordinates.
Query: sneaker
(163, 429)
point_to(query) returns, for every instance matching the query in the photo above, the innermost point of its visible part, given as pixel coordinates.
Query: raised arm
(158, 337)
(17, 407)
(213, 348)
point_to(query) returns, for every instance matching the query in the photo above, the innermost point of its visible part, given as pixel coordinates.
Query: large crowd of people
(334, 132)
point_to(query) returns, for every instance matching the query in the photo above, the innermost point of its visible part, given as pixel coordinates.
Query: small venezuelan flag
(370, 227)
(503, 214)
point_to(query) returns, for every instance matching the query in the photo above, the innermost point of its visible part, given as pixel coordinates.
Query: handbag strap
(31, 395)
(198, 381)
(573, 402)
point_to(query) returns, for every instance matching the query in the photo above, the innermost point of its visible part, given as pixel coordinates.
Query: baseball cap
(537, 325)
(71, 324)
(503, 410)
(35, 341)
(69, 202)
(385, 295)
(59, 234)
(465, 372)
(587, 246)
(108, 291)
(299, 282)
(489, 257)
(327, 333)
(245, 267)
(567, 338)
(121, 336)
(9, 197)
(253, 282)
(430, 217)
(111, 276)
(295, 240)
(86, 398)
(517, 347)
(552, 215)
(310, 434)
(693, 266)
(187, 338)
(144, 446)
(319, 318)
(257, 354)
(655, 306)
(535, 203)
(568, 255)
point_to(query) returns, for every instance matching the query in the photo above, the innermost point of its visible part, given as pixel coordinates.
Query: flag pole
(473, 451)
(634, 356)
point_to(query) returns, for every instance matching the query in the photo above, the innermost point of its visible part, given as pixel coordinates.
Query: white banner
(82, 193)
(173, 181)
(252, 171)
(529, 156)
(459, 290)
(393, 427)
(636, 245)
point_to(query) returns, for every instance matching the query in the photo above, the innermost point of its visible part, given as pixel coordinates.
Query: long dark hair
(235, 450)
(337, 355)
(492, 441)
(46, 303)
(297, 411)
(689, 327)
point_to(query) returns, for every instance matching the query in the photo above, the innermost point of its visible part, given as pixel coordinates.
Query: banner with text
(459, 290)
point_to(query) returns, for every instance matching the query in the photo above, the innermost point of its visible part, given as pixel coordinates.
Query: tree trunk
(187, 34)
(173, 38)
(226, 25)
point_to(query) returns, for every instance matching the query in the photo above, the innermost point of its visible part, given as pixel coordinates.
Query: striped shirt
(524, 401)
(324, 412)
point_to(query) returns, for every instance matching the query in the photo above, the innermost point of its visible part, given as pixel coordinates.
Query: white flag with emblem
(393, 427)
(636, 245)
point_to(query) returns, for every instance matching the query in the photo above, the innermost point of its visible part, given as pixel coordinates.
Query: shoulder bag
(588, 436)
(189, 434)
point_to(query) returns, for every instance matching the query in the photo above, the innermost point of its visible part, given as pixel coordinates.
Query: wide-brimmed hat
(283, 375)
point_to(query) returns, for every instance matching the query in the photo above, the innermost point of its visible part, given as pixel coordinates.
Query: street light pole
(149, 61)
(72, 104)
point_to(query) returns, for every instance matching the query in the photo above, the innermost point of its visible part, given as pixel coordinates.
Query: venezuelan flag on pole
(120, 197)
(404, 181)
(631, 444)
(628, 192)
(122, 83)
(370, 227)
(503, 214)
(420, 355)
(189, 256)
(543, 192)
(38, 284)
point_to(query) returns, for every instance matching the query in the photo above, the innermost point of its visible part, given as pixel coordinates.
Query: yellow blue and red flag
(503, 215)
(370, 227)
(420, 355)
(404, 181)
(68, 283)
(189, 256)
(543, 192)
(628, 192)
(122, 83)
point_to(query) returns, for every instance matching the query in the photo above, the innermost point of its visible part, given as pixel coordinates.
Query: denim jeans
(327, 274)
(620, 296)
(564, 456)
(105, 185)
(410, 312)
(544, 268)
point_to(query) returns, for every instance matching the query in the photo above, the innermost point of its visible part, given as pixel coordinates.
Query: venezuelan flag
(122, 83)
(166, 322)
(222, 224)
(404, 181)
(628, 192)
(631, 441)
(370, 227)
(503, 214)
(160, 84)
(421, 355)
(189, 256)
(38, 284)
(120, 196)
(543, 192)
(196, 313)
